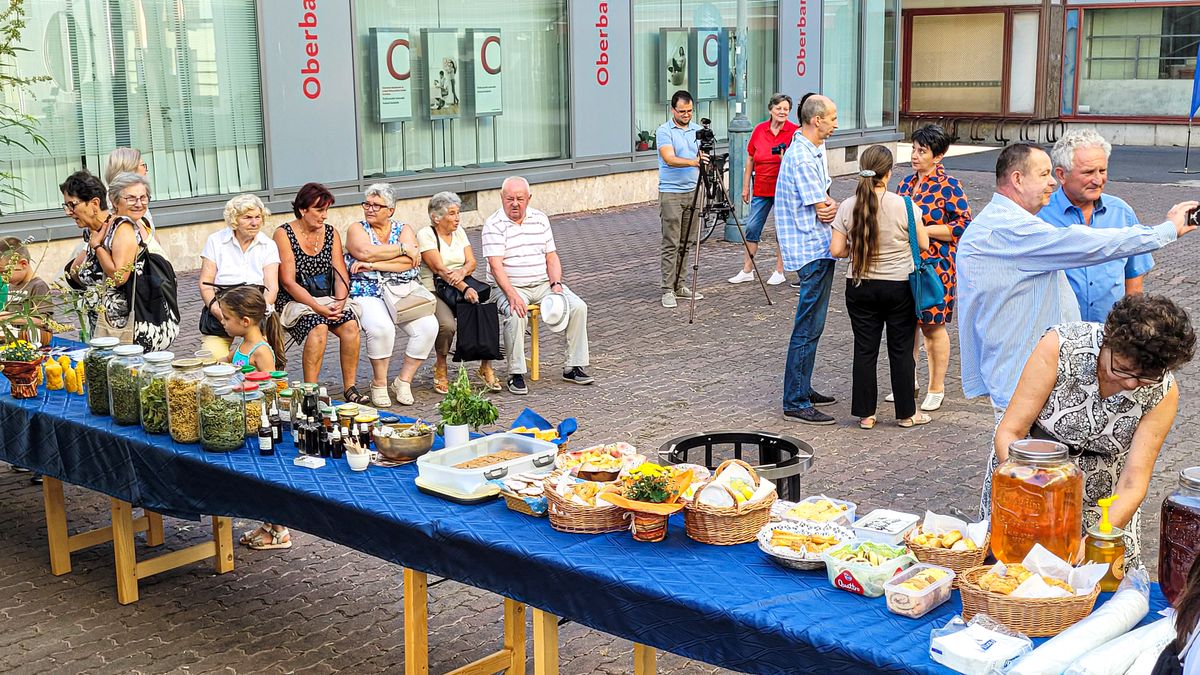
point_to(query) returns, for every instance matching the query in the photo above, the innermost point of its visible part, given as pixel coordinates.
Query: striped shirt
(1012, 288)
(523, 246)
(803, 183)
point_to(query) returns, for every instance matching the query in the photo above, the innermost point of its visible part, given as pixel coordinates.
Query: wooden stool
(535, 313)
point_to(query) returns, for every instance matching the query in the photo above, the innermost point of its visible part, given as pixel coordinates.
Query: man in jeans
(679, 161)
(803, 211)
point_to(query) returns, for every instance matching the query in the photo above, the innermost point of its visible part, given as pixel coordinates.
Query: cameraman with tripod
(679, 160)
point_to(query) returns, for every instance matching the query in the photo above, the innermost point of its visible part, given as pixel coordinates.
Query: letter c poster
(391, 61)
(487, 82)
(708, 57)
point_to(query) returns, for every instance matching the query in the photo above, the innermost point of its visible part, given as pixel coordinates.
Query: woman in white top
(447, 253)
(871, 228)
(238, 254)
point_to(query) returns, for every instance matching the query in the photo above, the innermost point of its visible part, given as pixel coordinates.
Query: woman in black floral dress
(310, 254)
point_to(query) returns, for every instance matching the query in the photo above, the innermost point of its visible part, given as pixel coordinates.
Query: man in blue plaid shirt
(803, 211)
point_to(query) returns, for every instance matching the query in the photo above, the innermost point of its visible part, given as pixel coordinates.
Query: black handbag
(478, 332)
(209, 325)
(452, 296)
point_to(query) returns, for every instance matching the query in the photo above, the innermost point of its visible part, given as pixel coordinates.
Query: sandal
(867, 422)
(257, 532)
(353, 395)
(915, 421)
(278, 539)
(489, 379)
(441, 382)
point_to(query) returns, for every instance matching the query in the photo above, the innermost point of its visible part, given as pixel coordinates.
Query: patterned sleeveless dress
(321, 263)
(943, 202)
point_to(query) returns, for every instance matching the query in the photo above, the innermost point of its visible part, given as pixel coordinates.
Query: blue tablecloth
(728, 606)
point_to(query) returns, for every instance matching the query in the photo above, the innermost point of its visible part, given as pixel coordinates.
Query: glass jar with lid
(222, 410)
(152, 391)
(95, 368)
(1037, 498)
(1179, 534)
(123, 369)
(266, 387)
(279, 377)
(253, 398)
(183, 400)
(206, 357)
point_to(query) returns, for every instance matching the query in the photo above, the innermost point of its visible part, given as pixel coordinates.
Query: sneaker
(776, 278)
(379, 397)
(795, 284)
(742, 277)
(822, 400)
(35, 479)
(668, 300)
(402, 391)
(686, 293)
(18, 469)
(516, 384)
(891, 397)
(808, 416)
(575, 374)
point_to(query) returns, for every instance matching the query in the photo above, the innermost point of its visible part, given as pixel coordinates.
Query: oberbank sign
(799, 47)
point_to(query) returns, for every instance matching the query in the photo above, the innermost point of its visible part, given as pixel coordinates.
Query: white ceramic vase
(457, 434)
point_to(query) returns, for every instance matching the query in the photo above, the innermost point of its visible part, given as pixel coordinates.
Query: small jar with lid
(346, 413)
(266, 387)
(206, 357)
(222, 410)
(183, 400)
(152, 391)
(279, 377)
(1179, 534)
(253, 398)
(123, 369)
(1037, 498)
(1105, 545)
(95, 368)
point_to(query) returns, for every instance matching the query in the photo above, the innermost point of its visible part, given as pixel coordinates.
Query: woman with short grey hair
(379, 251)
(447, 254)
(129, 160)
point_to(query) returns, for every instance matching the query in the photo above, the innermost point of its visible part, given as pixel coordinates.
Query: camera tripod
(711, 194)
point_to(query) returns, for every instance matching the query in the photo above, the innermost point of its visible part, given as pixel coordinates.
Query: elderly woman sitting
(1108, 393)
(238, 254)
(447, 254)
(382, 251)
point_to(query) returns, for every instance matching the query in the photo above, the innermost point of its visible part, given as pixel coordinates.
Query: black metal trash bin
(780, 459)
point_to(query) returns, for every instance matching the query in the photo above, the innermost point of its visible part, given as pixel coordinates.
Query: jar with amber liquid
(1037, 498)
(1179, 534)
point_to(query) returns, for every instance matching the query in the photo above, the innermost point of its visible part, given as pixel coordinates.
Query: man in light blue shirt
(803, 211)
(1011, 284)
(1080, 160)
(679, 161)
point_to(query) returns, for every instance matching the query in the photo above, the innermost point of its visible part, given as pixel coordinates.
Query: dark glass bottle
(276, 425)
(337, 448)
(266, 441)
(364, 437)
(311, 440)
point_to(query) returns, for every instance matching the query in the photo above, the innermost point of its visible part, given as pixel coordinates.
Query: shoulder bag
(407, 301)
(451, 295)
(927, 288)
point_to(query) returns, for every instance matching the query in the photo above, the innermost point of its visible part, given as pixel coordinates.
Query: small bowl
(396, 449)
(358, 461)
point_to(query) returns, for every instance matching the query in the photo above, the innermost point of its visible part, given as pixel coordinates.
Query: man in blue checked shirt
(1081, 166)
(803, 211)
(1011, 283)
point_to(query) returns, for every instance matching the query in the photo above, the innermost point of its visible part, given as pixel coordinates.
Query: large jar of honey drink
(1037, 498)
(1179, 536)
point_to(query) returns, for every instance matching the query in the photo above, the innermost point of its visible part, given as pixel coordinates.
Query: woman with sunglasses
(1108, 393)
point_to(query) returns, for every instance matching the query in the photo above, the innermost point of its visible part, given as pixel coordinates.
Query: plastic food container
(865, 578)
(885, 526)
(846, 518)
(917, 603)
(441, 468)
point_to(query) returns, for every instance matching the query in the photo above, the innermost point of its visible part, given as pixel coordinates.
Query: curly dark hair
(1151, 331)
(85, 187)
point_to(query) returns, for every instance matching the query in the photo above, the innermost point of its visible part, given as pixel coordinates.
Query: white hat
(555, 311)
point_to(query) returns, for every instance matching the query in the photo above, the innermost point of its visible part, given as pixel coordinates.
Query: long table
(729, 606)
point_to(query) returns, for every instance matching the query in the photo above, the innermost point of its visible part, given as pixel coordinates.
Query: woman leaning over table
(946, 214)
(1107, 392)
(310, 251)
(381, 250)
(239, 253)
(767, 144)
(871, 228)
(447, 253)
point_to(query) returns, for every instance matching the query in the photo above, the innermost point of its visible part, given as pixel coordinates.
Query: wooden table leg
(56, 526)
(123, 552)
(416, 622)
(545, 643)
(645, 660)
(223, 539)
(154, 530)
(534, 348)
(514, 635)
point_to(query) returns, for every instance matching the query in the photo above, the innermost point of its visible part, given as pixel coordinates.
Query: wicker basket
(568, 517)
(959, 561)
(726, 525)
(519, 505)
(1035, 617)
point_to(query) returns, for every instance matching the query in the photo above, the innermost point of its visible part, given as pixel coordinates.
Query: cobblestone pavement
(320, 607)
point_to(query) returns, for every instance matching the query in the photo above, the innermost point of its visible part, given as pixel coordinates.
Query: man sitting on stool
(523, 264)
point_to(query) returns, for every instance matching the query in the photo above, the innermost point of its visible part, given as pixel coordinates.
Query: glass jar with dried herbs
(183, 400)
(253, 399)
(95, 368)
(123, 369)
(222, 410)
(152, 391)
(266, 387)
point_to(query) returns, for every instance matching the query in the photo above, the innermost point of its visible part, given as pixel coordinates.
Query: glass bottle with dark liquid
(1179, 534)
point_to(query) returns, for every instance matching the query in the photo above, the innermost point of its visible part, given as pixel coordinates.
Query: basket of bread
(731, 507)
(574, 505)
(949, 542)
(1041, 596)
(799, 545)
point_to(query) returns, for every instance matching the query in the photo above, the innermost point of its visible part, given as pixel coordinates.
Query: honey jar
(1037, 498)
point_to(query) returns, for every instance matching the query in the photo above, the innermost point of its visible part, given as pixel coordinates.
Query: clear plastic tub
(441, 468)
(845, 519)
(885, 526)
(915, 603)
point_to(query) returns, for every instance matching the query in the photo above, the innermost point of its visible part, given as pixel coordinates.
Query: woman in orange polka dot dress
(946, 213)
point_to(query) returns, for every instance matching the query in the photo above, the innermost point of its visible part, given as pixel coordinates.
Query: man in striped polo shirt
(524, 265)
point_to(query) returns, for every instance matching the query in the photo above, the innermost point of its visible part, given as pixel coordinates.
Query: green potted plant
(464, 409)
(645, 140)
